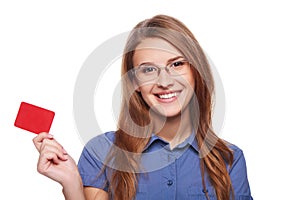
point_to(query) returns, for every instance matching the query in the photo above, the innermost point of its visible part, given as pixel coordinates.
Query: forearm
(74, 190)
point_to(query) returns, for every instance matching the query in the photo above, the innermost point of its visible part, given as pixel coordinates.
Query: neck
(173, 129)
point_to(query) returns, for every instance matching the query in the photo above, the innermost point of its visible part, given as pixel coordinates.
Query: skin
(55, 163)
(170, 118)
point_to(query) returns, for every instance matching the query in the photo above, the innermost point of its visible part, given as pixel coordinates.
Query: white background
(254, 45)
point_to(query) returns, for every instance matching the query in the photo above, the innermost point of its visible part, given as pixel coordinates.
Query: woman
(164, 147)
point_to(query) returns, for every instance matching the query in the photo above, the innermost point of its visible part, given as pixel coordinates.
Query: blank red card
(33, 118)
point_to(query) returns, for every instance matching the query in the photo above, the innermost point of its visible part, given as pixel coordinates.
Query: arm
(74, 191)
(93, 171)
(92, 193)
(238, 174)
(56, 164)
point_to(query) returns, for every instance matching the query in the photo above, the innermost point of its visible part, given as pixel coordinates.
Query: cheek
(190, 81)
(146, 92)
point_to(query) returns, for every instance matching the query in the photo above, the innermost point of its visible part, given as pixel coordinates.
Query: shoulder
(239, 162)
(100, 145)
(101, 139)
(237, 151)
(238, 173)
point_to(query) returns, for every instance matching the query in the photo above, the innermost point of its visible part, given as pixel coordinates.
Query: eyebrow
(173, 59)
(168, 61)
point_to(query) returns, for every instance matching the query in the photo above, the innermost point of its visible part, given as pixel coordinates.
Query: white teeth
(167, 96)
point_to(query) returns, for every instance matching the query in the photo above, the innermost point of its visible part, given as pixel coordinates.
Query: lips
(167, 97)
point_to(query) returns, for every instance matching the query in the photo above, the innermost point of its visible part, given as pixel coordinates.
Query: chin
(166, 113)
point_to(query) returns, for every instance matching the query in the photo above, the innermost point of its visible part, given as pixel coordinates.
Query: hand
(54, 162)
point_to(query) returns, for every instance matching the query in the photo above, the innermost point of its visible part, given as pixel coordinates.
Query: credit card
(34, 118)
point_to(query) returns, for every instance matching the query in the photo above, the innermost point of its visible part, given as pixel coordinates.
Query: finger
(58, 150)
(39, 139)
(46, 160)
(54, 145)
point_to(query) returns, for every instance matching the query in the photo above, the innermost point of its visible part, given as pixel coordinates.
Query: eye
(146, 69)
(177, 64)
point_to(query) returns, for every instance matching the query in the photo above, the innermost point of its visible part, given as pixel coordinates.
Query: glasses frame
(167, 68)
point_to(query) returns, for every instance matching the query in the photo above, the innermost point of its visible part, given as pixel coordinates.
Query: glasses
(150, 71)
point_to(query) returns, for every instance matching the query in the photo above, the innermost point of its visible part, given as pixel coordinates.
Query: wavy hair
(134, 131)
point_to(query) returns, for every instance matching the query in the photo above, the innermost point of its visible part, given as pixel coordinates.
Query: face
(167, 95)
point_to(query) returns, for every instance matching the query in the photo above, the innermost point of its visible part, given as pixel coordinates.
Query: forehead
(154, 50)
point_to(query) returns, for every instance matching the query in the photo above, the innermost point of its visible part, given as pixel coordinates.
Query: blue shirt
(166, 173)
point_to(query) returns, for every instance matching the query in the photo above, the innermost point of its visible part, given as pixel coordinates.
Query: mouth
(167, 96)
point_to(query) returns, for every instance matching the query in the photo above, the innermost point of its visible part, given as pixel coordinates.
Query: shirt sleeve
(91, 164)
(91, 170)
(238, 174)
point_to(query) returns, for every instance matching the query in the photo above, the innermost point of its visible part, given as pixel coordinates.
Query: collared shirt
(165, 173)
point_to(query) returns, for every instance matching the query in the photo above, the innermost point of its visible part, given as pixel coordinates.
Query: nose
(164, 79)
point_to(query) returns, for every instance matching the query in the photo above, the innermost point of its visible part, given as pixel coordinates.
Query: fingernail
(50, 136)
(66, 157)
(64, 151)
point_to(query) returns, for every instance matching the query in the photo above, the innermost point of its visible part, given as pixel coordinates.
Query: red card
(33, 118)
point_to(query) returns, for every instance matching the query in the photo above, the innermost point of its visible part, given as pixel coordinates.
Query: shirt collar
(191, 140)
(153, 139)
(194, 144)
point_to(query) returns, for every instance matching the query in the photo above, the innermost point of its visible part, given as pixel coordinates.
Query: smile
(166, 96)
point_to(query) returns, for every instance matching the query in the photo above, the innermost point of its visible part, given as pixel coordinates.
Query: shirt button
(170, 182)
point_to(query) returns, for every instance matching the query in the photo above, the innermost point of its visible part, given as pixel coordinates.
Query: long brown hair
(134, 130)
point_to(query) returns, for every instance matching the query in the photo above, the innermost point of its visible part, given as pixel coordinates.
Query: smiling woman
(165, 146)
(169, 90)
